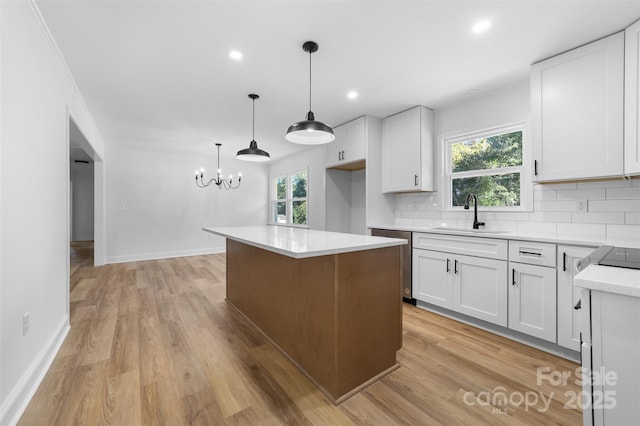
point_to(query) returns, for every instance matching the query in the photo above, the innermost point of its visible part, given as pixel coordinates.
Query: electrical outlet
(25, 324)
(581, 205)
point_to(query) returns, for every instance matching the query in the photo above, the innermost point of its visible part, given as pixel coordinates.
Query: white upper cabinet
(577, 101)
(349, 146)
(407, 151)
(632, 100)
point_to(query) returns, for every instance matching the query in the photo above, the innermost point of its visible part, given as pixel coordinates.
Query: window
(488, 164)
(289, 199)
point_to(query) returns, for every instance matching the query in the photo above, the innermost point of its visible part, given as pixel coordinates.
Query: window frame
(289, 200)
(526, 185)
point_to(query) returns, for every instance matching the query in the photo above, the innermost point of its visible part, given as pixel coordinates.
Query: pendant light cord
(253, 122)
(309, 80)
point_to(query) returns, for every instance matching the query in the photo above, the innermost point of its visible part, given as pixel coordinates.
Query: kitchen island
(331, 302)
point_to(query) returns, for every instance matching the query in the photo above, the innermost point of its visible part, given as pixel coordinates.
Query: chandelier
(218, 180)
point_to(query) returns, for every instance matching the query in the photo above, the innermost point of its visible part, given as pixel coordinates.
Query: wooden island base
(337, 317)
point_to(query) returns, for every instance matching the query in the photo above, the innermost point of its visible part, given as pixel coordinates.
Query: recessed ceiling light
(352, 94)
(235, 55)
(481, 26)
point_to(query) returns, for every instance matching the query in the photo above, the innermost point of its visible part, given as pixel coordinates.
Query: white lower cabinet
(532, 300)
(479, 288)
(532, 289)
(569, 318)
(432, 279)
(470, 285)
(526, 286)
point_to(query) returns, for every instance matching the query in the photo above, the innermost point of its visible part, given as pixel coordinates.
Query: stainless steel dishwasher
(405, 258)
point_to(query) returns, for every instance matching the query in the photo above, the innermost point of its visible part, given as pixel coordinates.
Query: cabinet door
(350, 143)
(631, 100)
(335, 148)
(354, 147)
(569, 319)
(577, 112)
(479, 288)
(401, 152)
(532, 300)
(432, 277)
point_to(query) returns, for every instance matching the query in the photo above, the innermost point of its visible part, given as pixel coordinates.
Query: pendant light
(253, 153)
(310, 131)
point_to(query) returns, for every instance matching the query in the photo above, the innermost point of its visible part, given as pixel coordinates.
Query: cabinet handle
(535, 167)
(513, 276)
(343, 154)
(564, 261)
(532, 253)
(415, 180)
(448, 265)
(578, 305)
(339, 155)
(455, 266)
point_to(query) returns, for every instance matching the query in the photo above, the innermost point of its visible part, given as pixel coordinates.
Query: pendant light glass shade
(253, 153)
(310, 131)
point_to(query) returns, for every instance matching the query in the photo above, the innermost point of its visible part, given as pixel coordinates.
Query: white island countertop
(610, 279)
(301, 243)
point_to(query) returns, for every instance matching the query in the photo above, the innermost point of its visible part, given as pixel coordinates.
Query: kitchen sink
(470, 230)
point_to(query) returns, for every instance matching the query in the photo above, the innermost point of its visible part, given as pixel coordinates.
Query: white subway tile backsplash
(582, 232)
(631, 218)
(557, 186)
(613, 214)
(428, 214)
(550, 217)
(598, 217)
(556, 206)
(454, 215)
(545, 195)
(623, 235)
(620, 183)
(402, 221)
(536, 228)
(614, 206)
(632, 192)
(576, 194)
(511, 217)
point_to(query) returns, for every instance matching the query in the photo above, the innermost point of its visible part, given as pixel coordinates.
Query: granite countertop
(300, 242)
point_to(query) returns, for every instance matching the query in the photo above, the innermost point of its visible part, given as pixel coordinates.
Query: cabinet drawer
(533, 253)
(472, 246)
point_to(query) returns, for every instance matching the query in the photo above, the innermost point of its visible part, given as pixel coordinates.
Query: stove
(622, 257)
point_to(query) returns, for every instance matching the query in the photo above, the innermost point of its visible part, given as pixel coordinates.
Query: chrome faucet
(476, 224)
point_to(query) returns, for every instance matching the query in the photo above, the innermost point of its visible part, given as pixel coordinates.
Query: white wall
(82, 204)
(358, 202)
(614, 205)
(155, 209)
(314, 160)
(37, 92)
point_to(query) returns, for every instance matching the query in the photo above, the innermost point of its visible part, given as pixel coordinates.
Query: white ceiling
(157, 73)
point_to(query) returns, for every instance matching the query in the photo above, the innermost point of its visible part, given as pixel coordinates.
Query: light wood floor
(155, 343)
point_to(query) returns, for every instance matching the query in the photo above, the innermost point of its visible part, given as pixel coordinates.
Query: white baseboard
(165, 255)
(14, 405)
